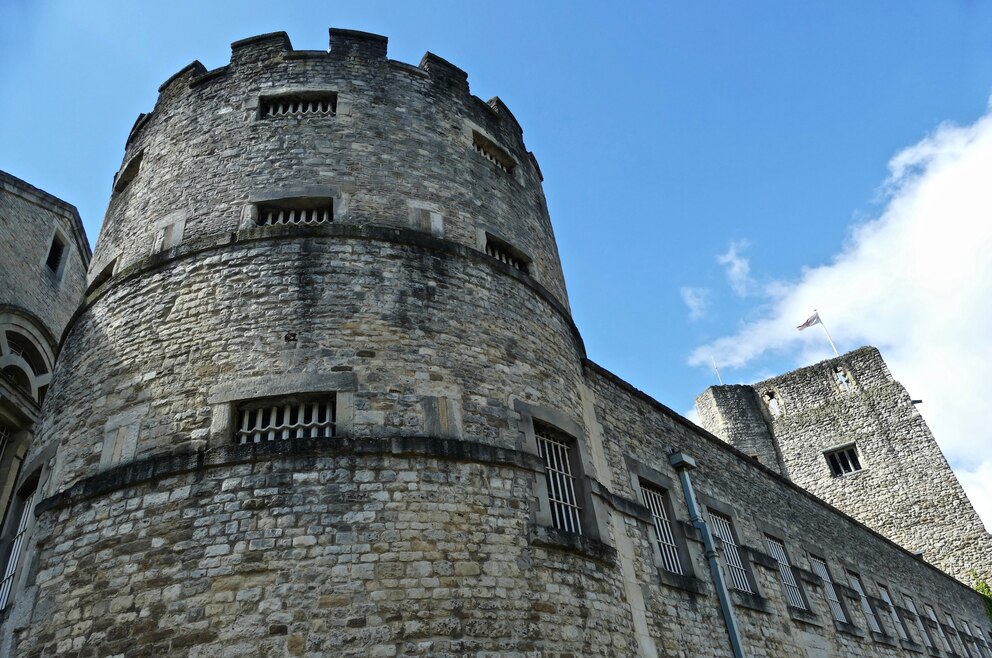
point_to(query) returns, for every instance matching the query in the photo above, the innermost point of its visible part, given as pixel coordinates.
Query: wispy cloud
(737, 267)
(697, 300)
(916, 281)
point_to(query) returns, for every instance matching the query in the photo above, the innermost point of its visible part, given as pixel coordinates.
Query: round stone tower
(296, 412)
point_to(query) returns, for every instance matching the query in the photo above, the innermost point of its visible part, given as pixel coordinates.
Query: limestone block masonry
(325, 397)
(902, 486)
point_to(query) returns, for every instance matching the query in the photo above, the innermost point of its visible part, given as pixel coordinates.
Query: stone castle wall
(905, 490)
(424, 526)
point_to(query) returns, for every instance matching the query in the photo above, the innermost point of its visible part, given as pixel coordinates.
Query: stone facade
(43, 259)
(478, 488)
(902, 486)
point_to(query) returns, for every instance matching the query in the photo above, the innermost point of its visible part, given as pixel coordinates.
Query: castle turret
(848, 432)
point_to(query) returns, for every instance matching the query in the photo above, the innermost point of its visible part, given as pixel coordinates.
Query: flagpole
(718, 377)
(829, 339)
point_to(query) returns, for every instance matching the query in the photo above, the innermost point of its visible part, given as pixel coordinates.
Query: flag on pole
(813, 319)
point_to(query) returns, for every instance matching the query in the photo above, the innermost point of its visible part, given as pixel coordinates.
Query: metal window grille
(870, 617)
(924, 633)
(932, 614)
(968, 638)
(731, 553)
(843, 461)
(279, 215)
(15, 552)
(556, 452)
(4, 437)
(820, 569)
(655, 500)
(896, 621)
(298, 105)
(493, 153)
(964, 643)
(505, 254)
(286, 420)
(792, 591)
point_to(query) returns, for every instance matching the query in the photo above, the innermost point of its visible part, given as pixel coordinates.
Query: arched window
(18, 378)
(774, 407)
(24, 348)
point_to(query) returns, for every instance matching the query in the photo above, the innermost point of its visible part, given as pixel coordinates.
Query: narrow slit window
(299, 105)
(290, 419)
(792, 591)
(843, 461)
(656, 500)
(819, 567)
(128, 174)
(556, 450)
(505, 253)
(55, 252)
(296, 212)
(870, 617)
(723, 528)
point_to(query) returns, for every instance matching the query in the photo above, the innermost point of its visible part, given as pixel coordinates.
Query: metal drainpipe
(683, 464)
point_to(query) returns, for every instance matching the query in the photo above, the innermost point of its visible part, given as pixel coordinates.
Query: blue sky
(714, 170)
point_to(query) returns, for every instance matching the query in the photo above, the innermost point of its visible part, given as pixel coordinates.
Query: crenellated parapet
(371, 140)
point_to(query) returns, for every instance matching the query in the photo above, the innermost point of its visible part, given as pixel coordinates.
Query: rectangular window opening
(819, 566)
(307, 211)
(557, 451)
(870, 617)
(723, 528)
(299, 104)
(792, 591)
(495, 154)
(506, 253)
(286, 419)
(656, 500)
(932, 614)
(920, 626)
(16, 548)
(55, 252)
(843, 461)
(896, 619)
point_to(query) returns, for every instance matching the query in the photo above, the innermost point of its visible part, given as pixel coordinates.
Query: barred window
(792, 591)
(819, 566)
(14, 554)
(932, 614)
(296, 211)
(953, 626)
(896, 619)
(870, 617)
(656, 500)
(968, 637)
(723, 528)
(299, 104)
(290, 419)
(557, 450)
(920, 626)
(843, 461)
(495, 154)
(506, 253)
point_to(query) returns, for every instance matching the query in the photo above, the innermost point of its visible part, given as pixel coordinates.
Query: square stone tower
(848, 432)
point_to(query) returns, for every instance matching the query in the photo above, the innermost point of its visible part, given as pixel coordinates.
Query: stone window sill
(683, 582)
(881, 638)
(750, 601)
(845, 627)
(909, 645)
(573, 543)
(804, 616)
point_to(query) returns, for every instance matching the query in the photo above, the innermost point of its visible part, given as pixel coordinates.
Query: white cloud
(916, 281)
(737, 267)
(697, 300)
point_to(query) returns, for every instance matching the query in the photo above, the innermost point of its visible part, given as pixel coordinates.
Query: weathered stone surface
(423, 526)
